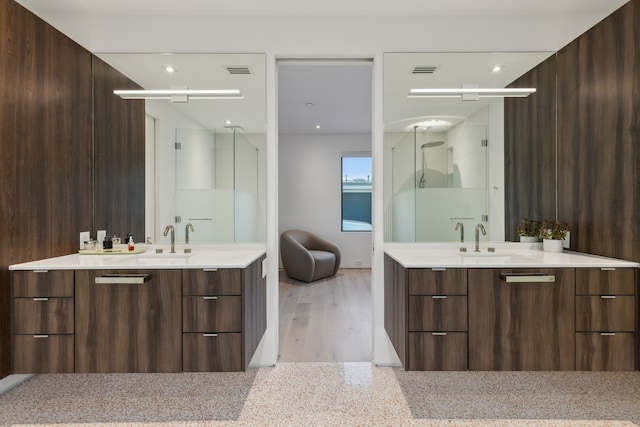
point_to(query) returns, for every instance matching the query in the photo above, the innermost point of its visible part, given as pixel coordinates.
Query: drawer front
(53, 283)
(425, 281)
(212, 314)
(438, 313)
(605, 313)
(212, 352)
(43, 315)
(224, 281)
(604, 352)
(52, 354)
(595, 281)
(429, 352)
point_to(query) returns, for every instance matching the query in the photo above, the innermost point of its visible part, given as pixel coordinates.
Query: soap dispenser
(130, 245)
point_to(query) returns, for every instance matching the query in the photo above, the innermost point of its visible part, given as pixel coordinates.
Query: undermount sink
(484, 254)
(170, 255)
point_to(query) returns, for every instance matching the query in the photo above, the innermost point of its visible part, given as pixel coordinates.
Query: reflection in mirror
(446, 153)
(205, 157)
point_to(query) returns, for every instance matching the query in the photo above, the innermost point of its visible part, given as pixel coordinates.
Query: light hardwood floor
(328, 320)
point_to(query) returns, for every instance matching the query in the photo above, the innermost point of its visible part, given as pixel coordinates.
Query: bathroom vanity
(512, 309)
(204, 311)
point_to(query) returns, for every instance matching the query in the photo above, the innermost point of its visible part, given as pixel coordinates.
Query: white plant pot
(528, 239)
(552, 245)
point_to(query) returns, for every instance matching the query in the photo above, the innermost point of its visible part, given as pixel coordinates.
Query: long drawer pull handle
(41, 299)
(438, 334)
(210, 335)
(209, 269)
(527, 278)
(439, 296)
(41, 336)
(209, 297)
(123, 279)
(40, 271)
(608, 269)
(607, 334)
(608, 296)
(438, 269)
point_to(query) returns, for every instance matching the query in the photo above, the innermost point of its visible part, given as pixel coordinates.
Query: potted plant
(529, 230)
(552, 234)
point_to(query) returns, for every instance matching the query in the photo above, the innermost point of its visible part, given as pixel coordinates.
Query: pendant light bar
(182, 94)
(473, 92)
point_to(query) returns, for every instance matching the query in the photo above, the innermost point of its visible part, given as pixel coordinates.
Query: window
(356, 193)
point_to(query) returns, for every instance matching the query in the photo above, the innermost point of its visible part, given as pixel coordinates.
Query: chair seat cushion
(325, 264)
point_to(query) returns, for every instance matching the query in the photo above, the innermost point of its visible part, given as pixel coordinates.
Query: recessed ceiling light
(497, 68)
(317, 126)
(308, 104)
(169, 69)
(227, 122)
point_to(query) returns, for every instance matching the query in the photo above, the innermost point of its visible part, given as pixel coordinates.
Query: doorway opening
(325, 115)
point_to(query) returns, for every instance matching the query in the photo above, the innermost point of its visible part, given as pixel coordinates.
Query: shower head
(431, 144)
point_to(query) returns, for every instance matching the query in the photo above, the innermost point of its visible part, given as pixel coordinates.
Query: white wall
(309, 189)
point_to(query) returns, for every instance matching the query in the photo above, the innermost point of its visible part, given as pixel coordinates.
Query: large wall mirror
(205, 153)
(444, 152)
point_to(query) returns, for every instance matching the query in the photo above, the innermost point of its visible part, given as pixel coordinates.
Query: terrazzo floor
(326, 394)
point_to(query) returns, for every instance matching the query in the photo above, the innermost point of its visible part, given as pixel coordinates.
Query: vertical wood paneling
(119, 154)
(599, 136)
(530, 149)
(45, 147)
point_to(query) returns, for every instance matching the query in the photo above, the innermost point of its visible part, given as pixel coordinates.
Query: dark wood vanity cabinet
(223, 317)
(43, 322)
(128, 321)
(430, 332)
(519, 321)
(605, 319)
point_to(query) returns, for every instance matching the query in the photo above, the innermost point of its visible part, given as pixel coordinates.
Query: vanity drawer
(605, 313)
(212, 314)
(437, 313)
(596, 281)
(52, 283)
(43, 315)
(223, 281)
(597, 351)
(431, 351)
(43, 354)
(424, 281)
(211, 352)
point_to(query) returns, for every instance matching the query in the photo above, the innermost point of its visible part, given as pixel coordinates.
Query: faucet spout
(479, 228)
(186, 232)
(173, 237)
(461, 227)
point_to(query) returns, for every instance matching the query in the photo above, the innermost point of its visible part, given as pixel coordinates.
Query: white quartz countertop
(202, 256)
(508, 255)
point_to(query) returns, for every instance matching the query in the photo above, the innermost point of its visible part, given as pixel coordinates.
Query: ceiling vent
(424, 69)
(239, 70)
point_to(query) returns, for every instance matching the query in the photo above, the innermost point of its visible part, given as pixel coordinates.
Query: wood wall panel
(530, 149)
(599, 136)
(119, 155)
(45, 147)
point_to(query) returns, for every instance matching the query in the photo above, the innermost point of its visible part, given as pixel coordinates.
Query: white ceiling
(341, 95)
(324, 7)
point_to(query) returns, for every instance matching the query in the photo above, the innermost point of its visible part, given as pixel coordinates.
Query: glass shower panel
(196, 181)
(246, 190)
(403, 189)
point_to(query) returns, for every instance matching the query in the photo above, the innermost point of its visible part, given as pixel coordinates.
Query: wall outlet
(85, 236)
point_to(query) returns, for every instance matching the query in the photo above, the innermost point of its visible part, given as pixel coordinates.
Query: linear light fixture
(180, 95)
(471, 94)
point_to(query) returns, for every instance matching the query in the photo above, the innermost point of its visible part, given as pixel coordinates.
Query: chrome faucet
(173, 237)
(479, 228)
(186, 236)
(461, 227)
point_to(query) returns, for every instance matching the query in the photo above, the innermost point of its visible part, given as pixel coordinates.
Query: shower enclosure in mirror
(207, 152)
(444, 153)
